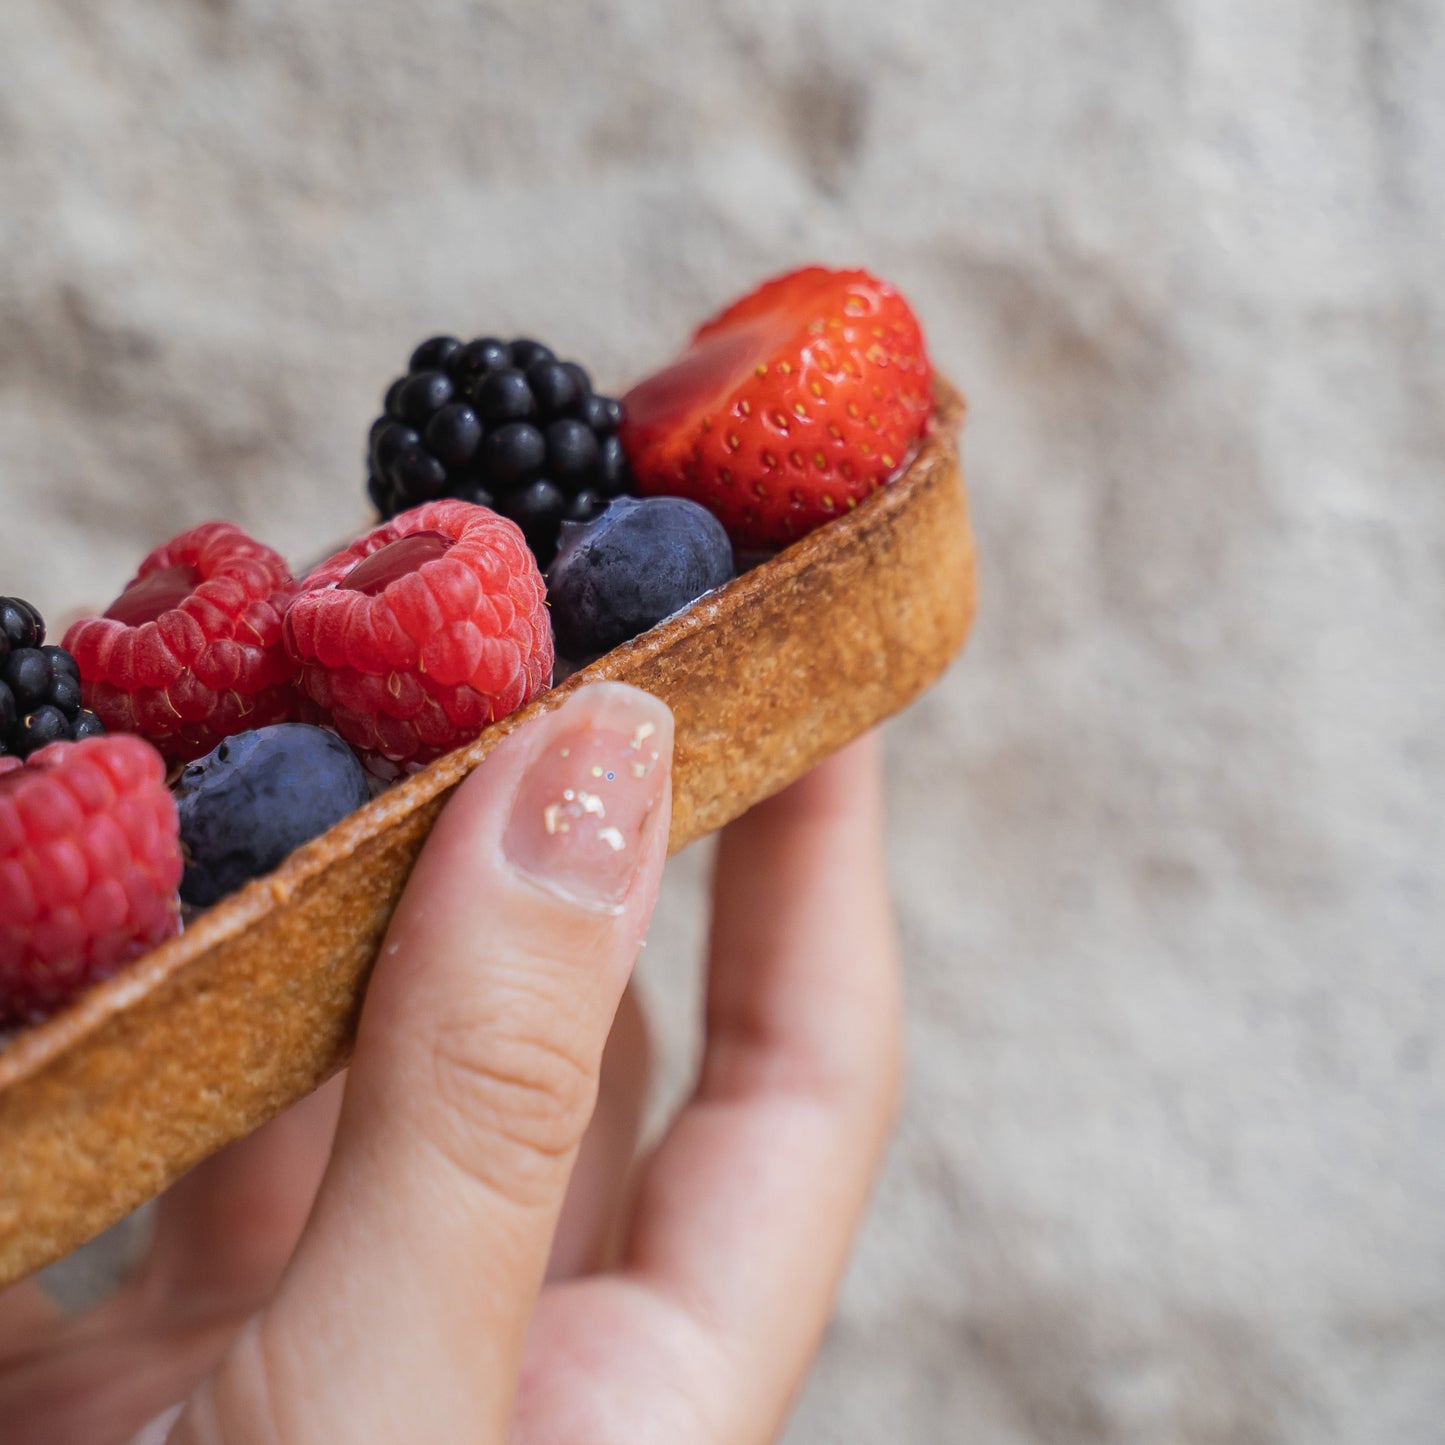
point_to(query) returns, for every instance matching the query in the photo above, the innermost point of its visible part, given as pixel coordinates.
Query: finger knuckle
(515, 1101)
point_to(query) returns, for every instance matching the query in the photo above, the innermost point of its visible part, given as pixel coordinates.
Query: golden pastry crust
(207, 1037)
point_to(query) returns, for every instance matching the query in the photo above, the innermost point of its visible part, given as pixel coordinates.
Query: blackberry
(504, 424)
(39, 686)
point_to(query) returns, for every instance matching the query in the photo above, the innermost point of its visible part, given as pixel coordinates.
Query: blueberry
(454, 434)
(433, 355)
(504, 396)
(423, 394)
(257, 797)
(27, 673)
(513, 453)
(639, 562)
(8, 711)
(572, 451)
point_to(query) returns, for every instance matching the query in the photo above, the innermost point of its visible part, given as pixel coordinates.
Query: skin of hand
(374, 1264)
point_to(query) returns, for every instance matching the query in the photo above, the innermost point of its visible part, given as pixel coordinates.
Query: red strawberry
(90, 861)
(421, 633)
(789, 407)
(191, 651)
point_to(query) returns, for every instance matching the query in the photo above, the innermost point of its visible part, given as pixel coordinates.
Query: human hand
(403, 1298)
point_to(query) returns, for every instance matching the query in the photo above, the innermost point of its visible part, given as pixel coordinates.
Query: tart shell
(205, 1038)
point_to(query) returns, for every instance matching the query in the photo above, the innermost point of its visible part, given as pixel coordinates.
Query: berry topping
(498, 424)
(424, 394)
(40, 693)
(433, 355)
(421, 633)
(89, 863)
(637, 563)
(191, 651)
(789, 407)
(20, 625)
(148, 597)
(258, 796)
(28, 674)
(395, 560)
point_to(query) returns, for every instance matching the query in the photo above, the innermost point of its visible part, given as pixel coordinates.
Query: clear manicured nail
(590, 793)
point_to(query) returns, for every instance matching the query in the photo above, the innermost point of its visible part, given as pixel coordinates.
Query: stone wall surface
(1167, 844)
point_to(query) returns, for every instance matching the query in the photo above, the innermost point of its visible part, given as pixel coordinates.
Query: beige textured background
(1168, 844)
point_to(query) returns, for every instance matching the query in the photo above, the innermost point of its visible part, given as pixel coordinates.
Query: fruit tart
(212, 794)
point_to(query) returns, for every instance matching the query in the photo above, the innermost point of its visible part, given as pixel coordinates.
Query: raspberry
(421, 633)
(89, 865)
(191, 651)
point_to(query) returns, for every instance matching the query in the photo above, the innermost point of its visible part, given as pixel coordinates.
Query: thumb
(403, 1312)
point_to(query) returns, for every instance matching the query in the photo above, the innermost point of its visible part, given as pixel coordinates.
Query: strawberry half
(789, 407)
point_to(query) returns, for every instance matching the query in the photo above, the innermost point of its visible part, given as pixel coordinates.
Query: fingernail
(590, 794)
